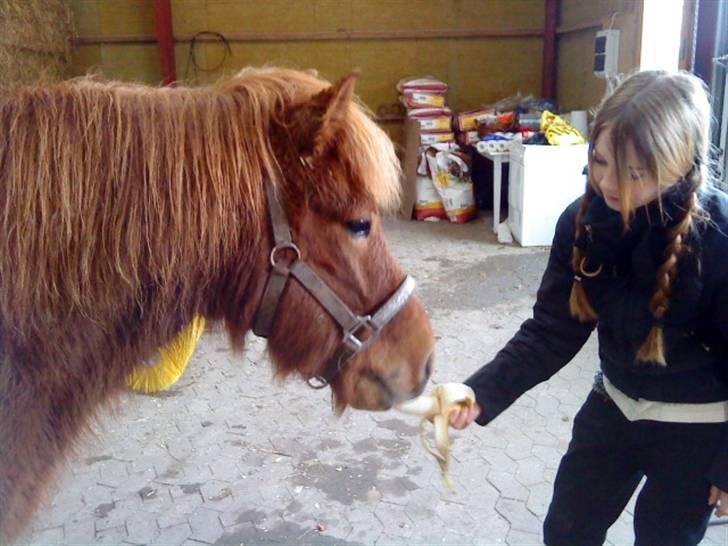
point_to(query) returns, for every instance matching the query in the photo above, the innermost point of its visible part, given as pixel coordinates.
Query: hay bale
(35, 40)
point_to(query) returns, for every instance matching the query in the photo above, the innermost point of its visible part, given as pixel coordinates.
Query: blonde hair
(666, 117)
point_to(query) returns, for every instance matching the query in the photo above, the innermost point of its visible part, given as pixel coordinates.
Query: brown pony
(125, 211)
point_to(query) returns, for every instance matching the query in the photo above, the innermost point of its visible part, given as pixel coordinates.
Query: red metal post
(548, 85)
(165, 39)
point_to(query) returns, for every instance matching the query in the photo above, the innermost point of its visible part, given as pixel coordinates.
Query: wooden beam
(548, 84)
(165, 39)
(325, 36)
(580, 27)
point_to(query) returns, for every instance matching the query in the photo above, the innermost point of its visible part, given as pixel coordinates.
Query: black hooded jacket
(695, 326)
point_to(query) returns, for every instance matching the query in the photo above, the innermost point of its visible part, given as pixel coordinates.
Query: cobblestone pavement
(229, 457)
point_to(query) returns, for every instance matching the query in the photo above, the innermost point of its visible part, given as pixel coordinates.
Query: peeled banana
(436, 408)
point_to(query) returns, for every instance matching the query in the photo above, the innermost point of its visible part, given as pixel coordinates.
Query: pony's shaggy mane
(108, 191)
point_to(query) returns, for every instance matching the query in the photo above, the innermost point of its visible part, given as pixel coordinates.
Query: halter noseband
(352, 325)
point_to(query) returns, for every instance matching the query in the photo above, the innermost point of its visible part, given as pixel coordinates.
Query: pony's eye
(359, 228)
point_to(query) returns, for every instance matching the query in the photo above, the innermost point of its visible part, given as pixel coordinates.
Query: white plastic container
(542, 182)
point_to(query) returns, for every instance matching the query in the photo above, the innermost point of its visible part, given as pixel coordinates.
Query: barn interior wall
(576, 86)
(479, 71)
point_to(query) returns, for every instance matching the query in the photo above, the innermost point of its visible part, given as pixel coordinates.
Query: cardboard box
(543, 181)
(409, 167)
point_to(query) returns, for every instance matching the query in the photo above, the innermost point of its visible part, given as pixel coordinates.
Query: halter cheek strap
(359, 331)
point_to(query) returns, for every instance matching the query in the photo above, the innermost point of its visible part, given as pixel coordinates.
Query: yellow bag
(558, 132)
(174, 357)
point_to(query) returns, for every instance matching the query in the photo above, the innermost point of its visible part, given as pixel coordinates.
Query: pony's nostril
(426, 373)
(429, 364)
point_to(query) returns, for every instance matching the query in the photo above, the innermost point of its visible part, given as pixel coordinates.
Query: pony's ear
(326, 113)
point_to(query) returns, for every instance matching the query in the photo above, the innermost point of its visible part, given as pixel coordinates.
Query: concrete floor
(228, 457)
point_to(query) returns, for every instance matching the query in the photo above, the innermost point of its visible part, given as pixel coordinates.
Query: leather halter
(352, 325)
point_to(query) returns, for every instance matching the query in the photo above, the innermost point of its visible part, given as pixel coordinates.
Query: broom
(173, 360)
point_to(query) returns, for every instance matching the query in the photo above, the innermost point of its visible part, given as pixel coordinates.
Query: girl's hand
(465, 416)
(719, 499)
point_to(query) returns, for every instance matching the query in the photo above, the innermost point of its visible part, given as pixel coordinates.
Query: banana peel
(436, 408)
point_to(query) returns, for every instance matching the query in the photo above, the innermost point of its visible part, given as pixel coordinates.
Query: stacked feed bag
(425, 99)
(443, 186)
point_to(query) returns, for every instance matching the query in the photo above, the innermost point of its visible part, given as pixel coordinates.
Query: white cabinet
(542, 182)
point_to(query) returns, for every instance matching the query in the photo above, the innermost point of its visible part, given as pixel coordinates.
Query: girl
(643, 257)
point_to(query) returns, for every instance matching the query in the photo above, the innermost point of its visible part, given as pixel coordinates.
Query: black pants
(608, 456)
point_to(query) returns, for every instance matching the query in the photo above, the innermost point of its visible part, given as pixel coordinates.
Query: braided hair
(666, 117)
(578, 301)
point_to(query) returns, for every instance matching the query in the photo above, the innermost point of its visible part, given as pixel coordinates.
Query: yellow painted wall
(478, 71)
(128, 62)
(576, 86)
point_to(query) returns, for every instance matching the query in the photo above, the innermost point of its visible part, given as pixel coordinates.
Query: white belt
(670, 412)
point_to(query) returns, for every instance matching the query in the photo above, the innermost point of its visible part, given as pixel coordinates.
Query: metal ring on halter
(317, 382)
(283, 246)
(589, 274)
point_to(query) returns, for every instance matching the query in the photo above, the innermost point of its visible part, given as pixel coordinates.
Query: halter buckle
(363, 324)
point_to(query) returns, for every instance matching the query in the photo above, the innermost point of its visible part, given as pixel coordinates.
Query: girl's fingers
(714, 495)
(464, 417)
(474, 412)
(458, 418)
(722, 508)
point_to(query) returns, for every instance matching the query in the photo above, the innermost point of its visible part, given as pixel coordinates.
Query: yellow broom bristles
(172, 363)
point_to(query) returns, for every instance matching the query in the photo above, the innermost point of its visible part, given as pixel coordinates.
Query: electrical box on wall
(606, 53)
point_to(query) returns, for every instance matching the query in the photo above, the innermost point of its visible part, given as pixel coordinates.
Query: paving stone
(550, 456)
(217, 494)
(394, 519)
(205, 524)
(539, 498)
(519, 517)
(111, 536)
(454, 516)
(174, 535)
(173, 515)
(52, 535)
(498, 459)
(491, 529)
(142, 528)
(365, 534)
(519, 447)
(113, 473)
(520, 538)
(530, 471)
(109, 516)
(717, 532)
(79, 532)
(506, 483)
(621, 533)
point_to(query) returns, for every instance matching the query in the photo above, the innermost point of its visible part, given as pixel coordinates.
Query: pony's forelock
(365, 147)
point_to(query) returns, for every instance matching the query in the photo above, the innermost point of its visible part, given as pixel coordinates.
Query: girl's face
(641, 185)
